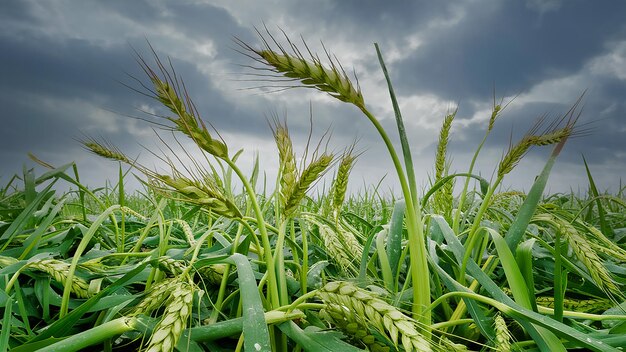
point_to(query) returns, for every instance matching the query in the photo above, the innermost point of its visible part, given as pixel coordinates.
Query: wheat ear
(168, 330)
(105, 150)
(590, 259)
(584, 252)
(129, 211)
(494, 115)
(59, 271)
(540, 136)
(355, 328)
(443, 199)
(287, 160)
(171, 266)
(202, 193)
(514, 155)
(157, 295)
(349, 241)
(310, 71)
(6, 261)
(373, 311)
(213, 273)
(335, 249)
(340, 184)
(503, 335)
(187, 231)
(592, 305)
(309, 175)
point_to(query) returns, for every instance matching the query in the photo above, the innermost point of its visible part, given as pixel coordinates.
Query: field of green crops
(206, 258)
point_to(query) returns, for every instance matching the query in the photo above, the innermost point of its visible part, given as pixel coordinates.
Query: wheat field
(193, 263)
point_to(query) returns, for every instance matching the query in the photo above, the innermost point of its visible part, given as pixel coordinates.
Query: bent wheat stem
(417, 245)
(267, 248)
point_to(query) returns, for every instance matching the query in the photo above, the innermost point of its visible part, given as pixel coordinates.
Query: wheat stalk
(311, 72)
(373, 311)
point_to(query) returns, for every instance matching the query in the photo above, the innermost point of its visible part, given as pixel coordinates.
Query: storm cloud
(64, 66)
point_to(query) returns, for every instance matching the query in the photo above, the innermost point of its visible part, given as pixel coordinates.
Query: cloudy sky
(63, 66)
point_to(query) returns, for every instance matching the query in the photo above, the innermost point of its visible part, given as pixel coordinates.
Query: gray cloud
(63, 61)
(511, 46)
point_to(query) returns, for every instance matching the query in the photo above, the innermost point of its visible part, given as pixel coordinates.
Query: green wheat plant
(311, 72)
(204, 257)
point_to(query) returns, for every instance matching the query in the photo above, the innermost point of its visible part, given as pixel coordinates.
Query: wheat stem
(267, 247)
(417, 245)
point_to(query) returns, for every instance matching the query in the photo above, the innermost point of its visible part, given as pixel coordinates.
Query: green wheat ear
(170, 91)
(309, 70)
(287, 159)
(443, 200)
(340, 184)
(308, 176)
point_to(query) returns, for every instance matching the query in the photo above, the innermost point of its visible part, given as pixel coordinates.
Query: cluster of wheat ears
(290, 271)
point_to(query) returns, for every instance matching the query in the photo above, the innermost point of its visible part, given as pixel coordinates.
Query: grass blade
(604, 226)
(484, 185)
(513, 274)
(524, 260)
(406, 150)
(34, 239)
(25, 216)
(526, 315)
(315, 339)
(255, 331)
(6, 324)
(394, 238)
(527, 210)
(385, 268)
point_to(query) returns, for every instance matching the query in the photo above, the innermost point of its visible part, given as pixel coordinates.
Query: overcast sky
(63, 65)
